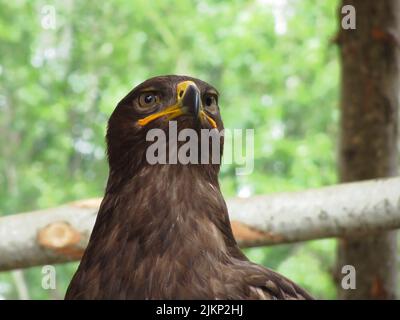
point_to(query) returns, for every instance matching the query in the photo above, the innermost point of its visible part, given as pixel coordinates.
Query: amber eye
(211, 103)
(148, 99)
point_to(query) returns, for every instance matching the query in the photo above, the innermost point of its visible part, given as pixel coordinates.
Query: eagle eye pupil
(209, 101)
(149, 98)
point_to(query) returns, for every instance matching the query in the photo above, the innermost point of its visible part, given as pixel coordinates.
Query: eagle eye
(148, 99)
(211, 102)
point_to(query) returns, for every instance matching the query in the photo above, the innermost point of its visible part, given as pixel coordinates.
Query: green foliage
(275, 68)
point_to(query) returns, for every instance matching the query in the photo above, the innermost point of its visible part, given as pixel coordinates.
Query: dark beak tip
(191, 100)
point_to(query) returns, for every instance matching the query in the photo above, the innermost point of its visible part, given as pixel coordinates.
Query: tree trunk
(369, 131)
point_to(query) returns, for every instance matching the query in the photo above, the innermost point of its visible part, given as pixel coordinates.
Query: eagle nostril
(180, 94)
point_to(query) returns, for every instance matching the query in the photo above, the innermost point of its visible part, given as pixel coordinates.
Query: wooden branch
(61, 234)
(344, 210)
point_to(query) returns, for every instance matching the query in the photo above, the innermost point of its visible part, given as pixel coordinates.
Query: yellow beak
(188, 102)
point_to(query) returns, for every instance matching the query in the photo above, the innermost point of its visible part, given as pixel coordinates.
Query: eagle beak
(191, 100)
(188, 102)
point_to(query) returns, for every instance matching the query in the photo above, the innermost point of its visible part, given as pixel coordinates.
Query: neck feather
(164, 207)
(162, 223)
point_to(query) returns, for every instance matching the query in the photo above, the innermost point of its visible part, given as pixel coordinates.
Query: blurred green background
(272, 61)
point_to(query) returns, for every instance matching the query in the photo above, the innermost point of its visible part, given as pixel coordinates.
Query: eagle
(163, 230)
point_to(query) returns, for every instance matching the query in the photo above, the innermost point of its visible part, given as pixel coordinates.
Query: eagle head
(189, 102)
